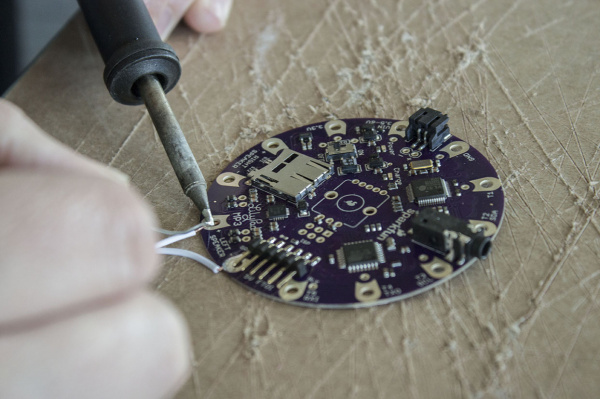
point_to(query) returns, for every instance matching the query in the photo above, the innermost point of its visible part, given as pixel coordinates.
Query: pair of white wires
(176, 236)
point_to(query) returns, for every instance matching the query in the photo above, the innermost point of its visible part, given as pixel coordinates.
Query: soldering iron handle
(130, 46)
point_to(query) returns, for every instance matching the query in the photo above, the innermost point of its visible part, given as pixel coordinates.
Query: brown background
(520, 82)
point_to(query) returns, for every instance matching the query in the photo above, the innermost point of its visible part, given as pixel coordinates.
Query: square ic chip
(431, 191)
(277, 212)
(360, 256)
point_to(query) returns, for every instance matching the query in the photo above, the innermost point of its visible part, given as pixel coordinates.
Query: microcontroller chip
(360, 256)
(277, 212)
(432, 191)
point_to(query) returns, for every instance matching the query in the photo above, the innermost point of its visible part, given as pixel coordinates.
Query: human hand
(205, 16)
(76, 254)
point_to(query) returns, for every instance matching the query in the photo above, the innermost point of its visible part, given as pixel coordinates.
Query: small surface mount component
(257, 232)
(373, 227)
(277, 212)
(427, 128)
(376, 163)
(390, 244)
(345, 214)
(253, 194)
(368, 133)
(302, 208)
(422, 166)
(456, 239)
(346, 154)
(232, 201)
(348, 166)
(397, 204)
(360, 256)
(291, 175)
(234, 236)
(274, 226)
(337, 150)
(306, 140)
(426, 192)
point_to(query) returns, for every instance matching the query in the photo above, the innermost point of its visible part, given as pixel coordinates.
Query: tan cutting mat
(520, 82)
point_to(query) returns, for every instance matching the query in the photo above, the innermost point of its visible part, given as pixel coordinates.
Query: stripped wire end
(176, 236)
(204, 261)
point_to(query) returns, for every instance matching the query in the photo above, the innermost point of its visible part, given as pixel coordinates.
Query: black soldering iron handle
(130, 46)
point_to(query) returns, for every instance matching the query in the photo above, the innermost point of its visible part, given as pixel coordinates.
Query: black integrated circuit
(376, 161)
(369, 132)
(277, 212)
(430, 191)
(360, 256)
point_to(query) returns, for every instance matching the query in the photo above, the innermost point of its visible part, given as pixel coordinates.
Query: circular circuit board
(354, 212)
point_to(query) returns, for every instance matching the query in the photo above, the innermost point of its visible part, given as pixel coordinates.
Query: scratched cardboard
(519, 81)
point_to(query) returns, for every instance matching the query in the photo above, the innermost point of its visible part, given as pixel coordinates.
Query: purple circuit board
(333, 205)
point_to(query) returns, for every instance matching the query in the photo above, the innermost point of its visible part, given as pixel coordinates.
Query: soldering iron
(140, 69)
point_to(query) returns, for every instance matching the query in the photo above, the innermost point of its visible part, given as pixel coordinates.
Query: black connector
(260, 247)
(429, 128)
(456, 239)
(273, 254)
(301, 267)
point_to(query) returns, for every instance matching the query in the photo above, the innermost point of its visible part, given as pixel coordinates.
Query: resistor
(257, 232)
(274, 226)
(390, 244)
(253, 193)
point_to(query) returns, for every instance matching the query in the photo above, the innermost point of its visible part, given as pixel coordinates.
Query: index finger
(69, 242)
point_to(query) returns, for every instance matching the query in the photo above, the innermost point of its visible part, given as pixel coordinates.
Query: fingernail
(217, 13)
(222, 8)
(115, 175)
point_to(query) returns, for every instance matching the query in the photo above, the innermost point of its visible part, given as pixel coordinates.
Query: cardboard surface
(519, 81)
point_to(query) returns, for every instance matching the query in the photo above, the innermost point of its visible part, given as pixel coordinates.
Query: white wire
(174, 233)
(174, 238)
(191, 255)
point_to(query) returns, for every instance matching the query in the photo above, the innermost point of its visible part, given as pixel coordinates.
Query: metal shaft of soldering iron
(176, 146)
(141, 68)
